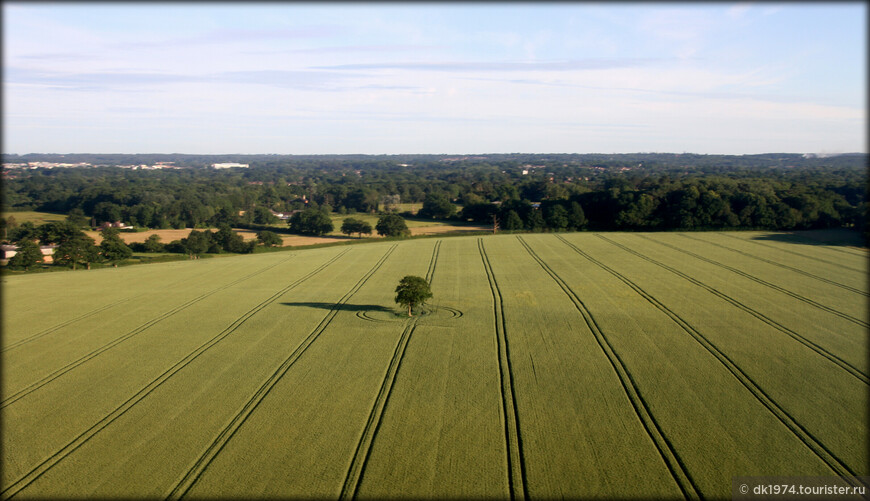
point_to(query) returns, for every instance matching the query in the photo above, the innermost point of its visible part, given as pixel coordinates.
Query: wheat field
(575, 365)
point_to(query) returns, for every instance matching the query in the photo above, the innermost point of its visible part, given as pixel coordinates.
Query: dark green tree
(311, 222)
(80, 249)
(557, 218)
(412, 291)
(24, 231)
(58, 232)
(262, 215)
(196, 243)
(437, 206)
(153, 244)
(269, 238)
(392, 225)
(536, 220)
(229, 240)
(512, 221)
(77, 217)
(8, 224)
(576, 217)
(28, 255)
(353, 225)
(112, 248)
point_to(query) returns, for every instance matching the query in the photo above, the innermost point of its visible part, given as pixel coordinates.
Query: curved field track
(571, 365)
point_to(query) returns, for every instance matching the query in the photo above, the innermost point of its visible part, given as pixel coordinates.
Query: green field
(37, 218)
(575, 365)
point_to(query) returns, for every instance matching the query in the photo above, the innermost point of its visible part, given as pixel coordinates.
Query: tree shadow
(341, 307)
(831, 237)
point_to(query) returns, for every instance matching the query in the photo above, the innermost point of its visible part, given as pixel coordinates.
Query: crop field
(579, 365)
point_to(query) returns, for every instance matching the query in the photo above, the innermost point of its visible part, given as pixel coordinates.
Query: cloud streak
(506, 66)
(230, 36)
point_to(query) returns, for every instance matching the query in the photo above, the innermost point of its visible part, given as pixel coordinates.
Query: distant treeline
(638, 191)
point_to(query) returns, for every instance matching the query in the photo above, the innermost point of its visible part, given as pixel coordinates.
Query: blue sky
(375, 78)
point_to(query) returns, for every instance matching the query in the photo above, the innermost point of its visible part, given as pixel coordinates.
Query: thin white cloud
(512, 66)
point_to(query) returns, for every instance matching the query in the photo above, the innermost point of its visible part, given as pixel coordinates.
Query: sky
(436, 78)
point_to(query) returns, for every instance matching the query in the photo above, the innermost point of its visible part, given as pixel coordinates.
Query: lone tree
(412, 291)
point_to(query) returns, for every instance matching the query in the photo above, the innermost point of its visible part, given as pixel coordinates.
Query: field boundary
(854, 371)
(814, 444)
(363, 449)
(768, 261)
(791, 252)
(666, 450)
(192, 475)
(516, 468)
(48, 463)
(115, 342)
(765, 283)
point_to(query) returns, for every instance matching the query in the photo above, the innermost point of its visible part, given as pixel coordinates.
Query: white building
(229, 166)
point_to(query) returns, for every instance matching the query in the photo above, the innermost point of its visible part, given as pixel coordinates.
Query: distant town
(155, 166)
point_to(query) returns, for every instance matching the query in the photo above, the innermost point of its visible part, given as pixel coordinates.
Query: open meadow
(546, 365)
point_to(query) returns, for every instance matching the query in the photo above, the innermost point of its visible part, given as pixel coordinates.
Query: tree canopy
(392, 225)
(412, 291)
(310, 222)
(112, 248)
(353, 225)
(27, 256)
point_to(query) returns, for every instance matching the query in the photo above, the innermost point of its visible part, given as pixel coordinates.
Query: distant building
(8, 251)
(117, 224)
(229, 166)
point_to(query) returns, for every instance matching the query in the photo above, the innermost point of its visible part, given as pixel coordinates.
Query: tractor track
(795, 253)
(192, 475)
(361, 455)
(765, 283)
(854, 371)
(814, 444)
(48, 463)
(111, 344)
(516, 467)
(768, 261)
(61, 325)
(666, 450)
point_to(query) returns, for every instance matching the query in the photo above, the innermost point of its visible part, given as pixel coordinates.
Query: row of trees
(74, 248)
(316, 222)
(687, 204)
